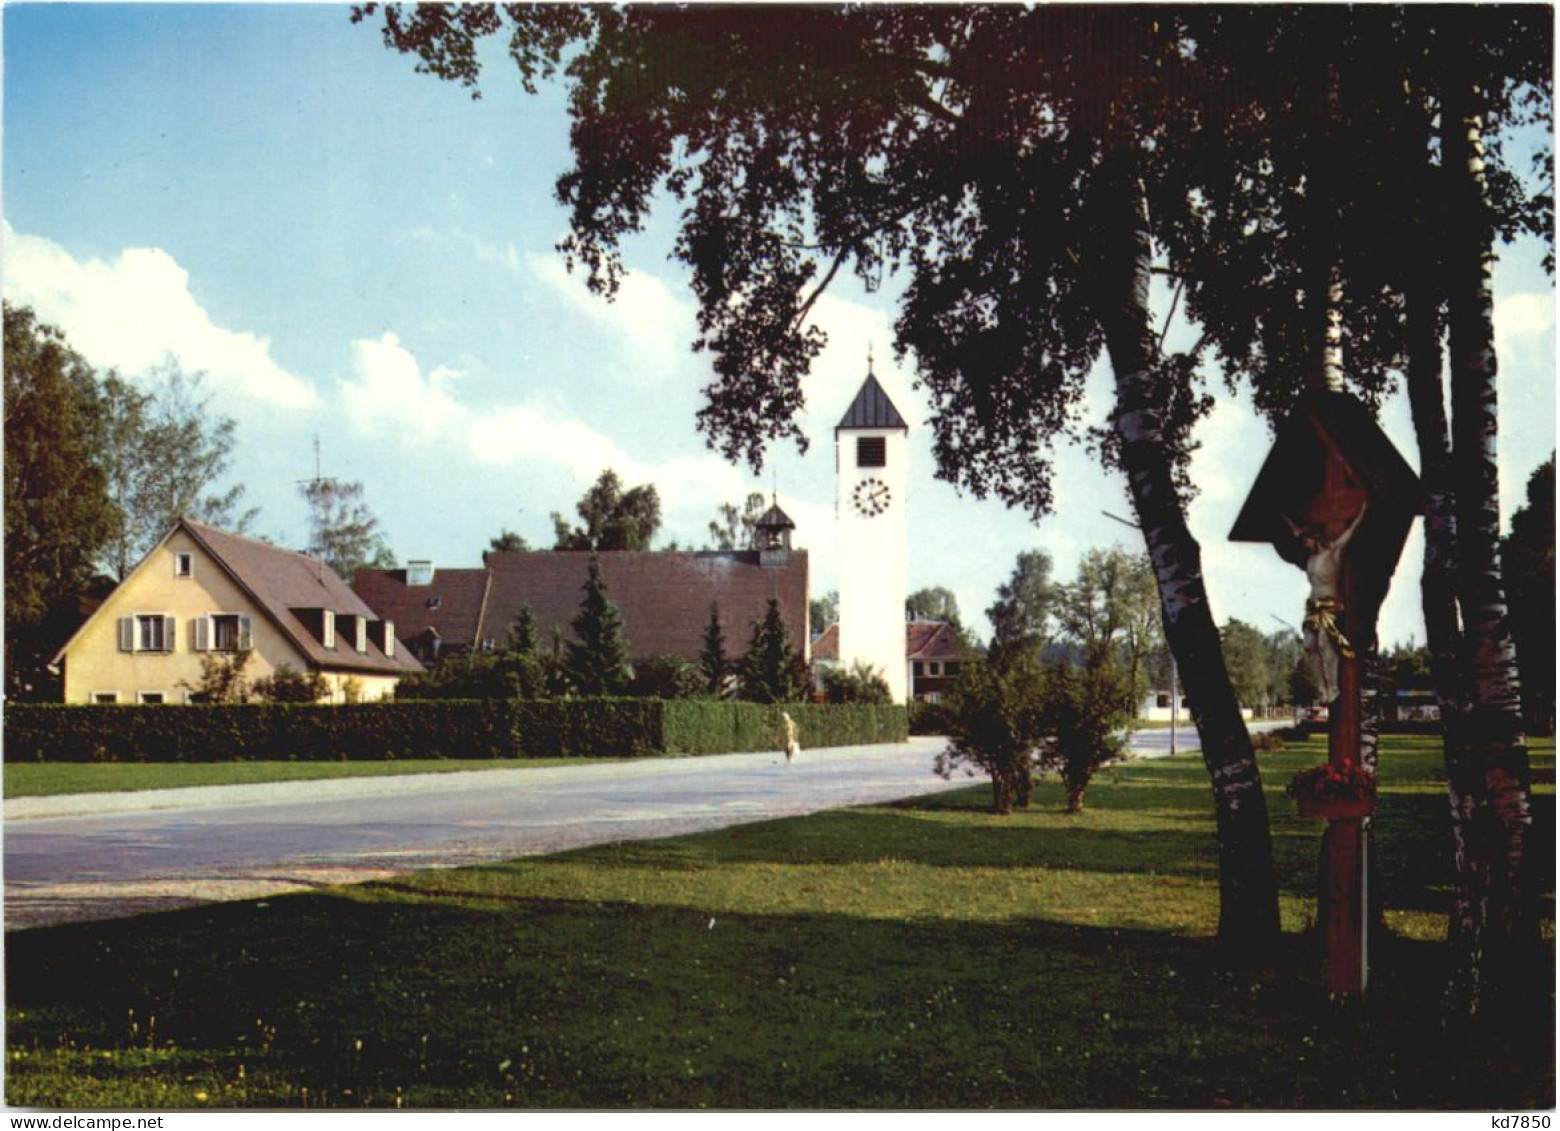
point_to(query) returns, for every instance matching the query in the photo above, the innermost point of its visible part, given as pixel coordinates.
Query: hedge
(447, 728)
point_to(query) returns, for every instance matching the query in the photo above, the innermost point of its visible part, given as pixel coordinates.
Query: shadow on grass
(322, 999)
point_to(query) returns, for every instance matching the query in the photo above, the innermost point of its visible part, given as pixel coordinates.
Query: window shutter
(127, 634)
(202, 634)
(170, 626)
(245, 634)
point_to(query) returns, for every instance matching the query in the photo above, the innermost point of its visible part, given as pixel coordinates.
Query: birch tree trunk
(1489, 770)
(1248, 892)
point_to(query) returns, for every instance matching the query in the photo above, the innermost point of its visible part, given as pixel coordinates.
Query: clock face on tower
(870, 498)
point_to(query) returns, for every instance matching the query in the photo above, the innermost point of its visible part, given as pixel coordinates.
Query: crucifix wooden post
(1336, 499)
(1345, 856)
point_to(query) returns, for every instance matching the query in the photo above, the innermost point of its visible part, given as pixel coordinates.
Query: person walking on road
(792, 745)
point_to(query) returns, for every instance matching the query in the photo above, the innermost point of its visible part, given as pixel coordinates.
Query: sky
(361, 255)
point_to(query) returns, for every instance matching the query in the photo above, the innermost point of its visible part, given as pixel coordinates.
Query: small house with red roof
(934, 655)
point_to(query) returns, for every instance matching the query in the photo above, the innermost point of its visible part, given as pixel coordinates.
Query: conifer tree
(712, 659)
(772, 670)
(522, 633)
(598, 654)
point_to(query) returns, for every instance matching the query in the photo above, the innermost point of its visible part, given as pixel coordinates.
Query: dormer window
(183, 564)
(419, 573)
(328, 635)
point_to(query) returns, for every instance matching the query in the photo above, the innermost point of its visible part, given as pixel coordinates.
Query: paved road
(95, 856)
(243, 842)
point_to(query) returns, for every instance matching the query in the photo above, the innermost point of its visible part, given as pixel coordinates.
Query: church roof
(872, 409)
(663, 595)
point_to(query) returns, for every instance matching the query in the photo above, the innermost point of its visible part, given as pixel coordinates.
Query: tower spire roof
(872, 408)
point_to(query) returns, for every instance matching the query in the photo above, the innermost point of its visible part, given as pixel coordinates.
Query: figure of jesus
(1323, 639)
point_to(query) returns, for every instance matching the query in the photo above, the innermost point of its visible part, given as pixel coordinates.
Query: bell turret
(774, 536)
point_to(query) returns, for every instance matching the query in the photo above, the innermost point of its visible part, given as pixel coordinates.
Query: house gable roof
(924, 640)
(278, 581)
(281, 581)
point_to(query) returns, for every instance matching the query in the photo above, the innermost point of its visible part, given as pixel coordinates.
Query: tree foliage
(1528, 557)
(614, 519)
(343, 532)
(1111, 608)
(736, 528)
(935, 602)
(164, 450)
(1022, 614)
(507, 542)
(824, 611)
(1246, 652)
(58, 514)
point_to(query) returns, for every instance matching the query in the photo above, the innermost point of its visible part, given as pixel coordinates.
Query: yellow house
(201, 592)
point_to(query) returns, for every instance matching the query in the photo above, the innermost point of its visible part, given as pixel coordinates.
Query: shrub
(288, 685)
(995, 725)
(1268, 742)
(666, 677)
(929, 718)
(447, 728)
(702, 726)
(863, 683)
(221, 678)
(1082, 715)
(506, 675)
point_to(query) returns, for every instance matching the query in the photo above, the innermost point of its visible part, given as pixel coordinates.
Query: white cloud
(837, 374)
(389, 394)
(132, 312)
(655, 324)
(1522, 315)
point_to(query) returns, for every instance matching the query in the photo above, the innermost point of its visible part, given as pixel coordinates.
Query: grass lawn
(923, 954)
(50, 778)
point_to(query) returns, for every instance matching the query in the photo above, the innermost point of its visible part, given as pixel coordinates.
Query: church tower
(871, 465)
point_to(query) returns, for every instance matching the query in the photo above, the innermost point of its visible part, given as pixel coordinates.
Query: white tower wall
(874, 567)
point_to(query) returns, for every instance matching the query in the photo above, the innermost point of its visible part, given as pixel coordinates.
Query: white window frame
(141, 698)
(185, 559)
(105, 698)
(328, 633)
(137, 638)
